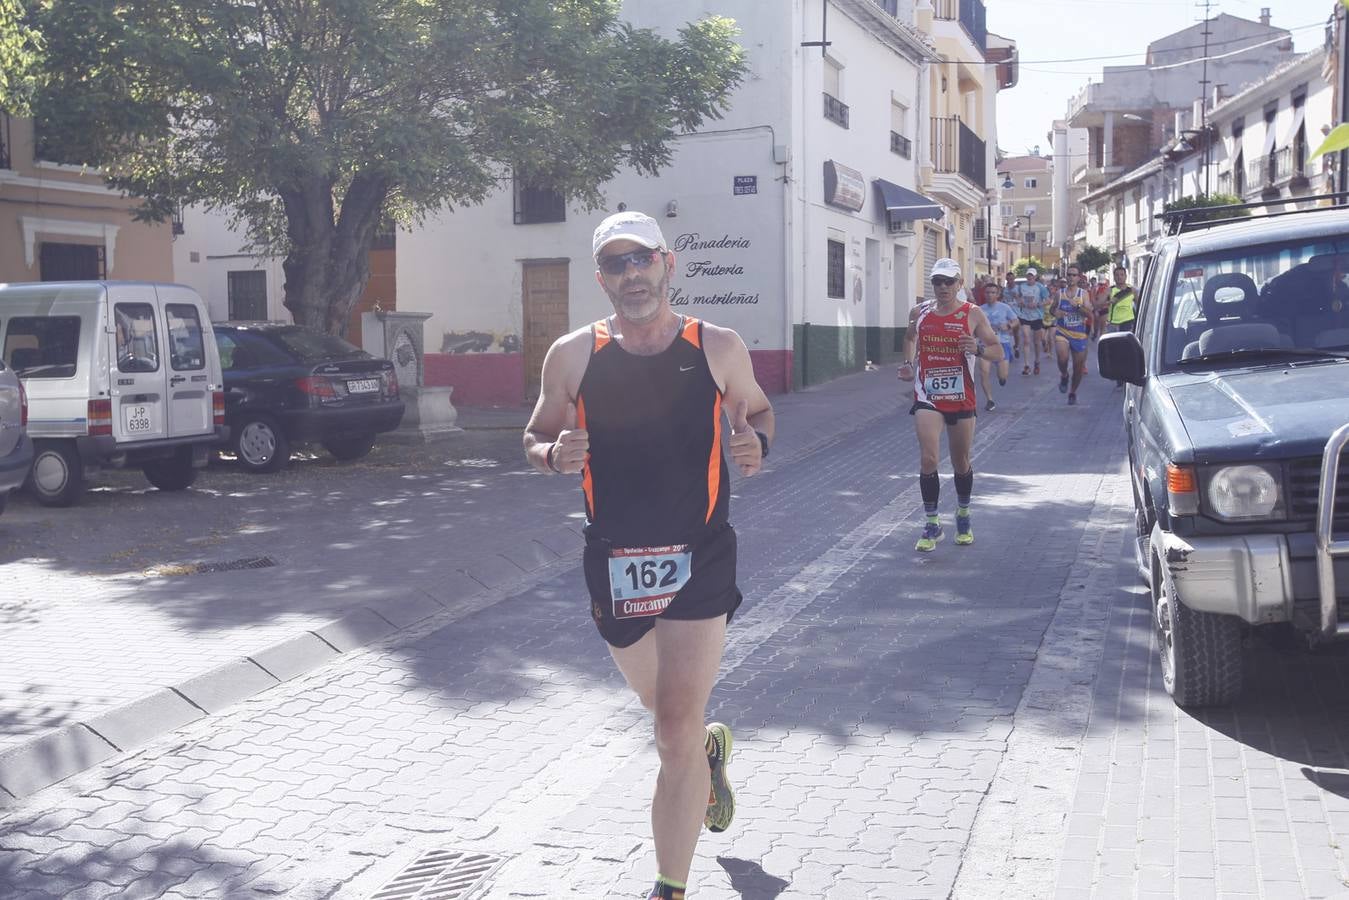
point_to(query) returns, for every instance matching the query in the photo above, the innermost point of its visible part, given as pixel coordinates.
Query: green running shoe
(964, 531)
(931, 536)
(721, 800)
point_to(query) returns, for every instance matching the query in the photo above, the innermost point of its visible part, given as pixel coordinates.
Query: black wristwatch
(763, 444)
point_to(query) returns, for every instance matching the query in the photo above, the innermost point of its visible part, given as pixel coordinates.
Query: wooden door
(546, 317)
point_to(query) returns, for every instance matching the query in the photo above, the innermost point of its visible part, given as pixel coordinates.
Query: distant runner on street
(943, 339)
(636, 404)
(1029, 301)
(1002, 319)
(1072, 332)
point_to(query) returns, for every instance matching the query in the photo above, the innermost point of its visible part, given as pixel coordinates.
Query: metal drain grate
(248, 562)
(439, 875)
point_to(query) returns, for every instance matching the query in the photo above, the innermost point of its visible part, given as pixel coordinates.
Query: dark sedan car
(285, 384)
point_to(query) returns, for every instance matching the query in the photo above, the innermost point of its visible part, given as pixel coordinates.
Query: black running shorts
(709, 592)
(1033, 324)
(952, 418)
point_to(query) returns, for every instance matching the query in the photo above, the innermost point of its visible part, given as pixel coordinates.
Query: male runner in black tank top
(636, 405)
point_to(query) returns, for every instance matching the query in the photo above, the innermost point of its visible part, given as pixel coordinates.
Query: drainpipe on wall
(1340, 20)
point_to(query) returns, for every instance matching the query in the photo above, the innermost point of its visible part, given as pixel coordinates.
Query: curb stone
(56, 755)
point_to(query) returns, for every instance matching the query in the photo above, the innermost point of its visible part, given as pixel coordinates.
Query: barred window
(835, 287)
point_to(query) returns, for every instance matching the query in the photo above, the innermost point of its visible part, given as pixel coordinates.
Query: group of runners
(637, 405)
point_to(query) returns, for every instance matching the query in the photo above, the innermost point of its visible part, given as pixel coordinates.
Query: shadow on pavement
(1294, 705)
(750, 880)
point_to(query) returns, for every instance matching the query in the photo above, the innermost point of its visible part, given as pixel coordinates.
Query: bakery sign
(843, 186)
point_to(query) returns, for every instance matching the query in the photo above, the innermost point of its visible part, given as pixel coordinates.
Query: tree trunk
(328, 265)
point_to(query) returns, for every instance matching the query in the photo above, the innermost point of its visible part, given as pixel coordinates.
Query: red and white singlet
(944, 376)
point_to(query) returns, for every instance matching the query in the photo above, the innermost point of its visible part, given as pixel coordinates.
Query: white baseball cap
(1033, 272)
(628, 226)
(946, 266)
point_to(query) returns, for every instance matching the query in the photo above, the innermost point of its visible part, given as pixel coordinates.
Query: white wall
(464, 267)
(208, 250)
(873, 78)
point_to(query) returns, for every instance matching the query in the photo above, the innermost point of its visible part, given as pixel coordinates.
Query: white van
(118, 373)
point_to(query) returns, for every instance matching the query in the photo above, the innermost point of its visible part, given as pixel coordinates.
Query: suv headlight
(1245, 492)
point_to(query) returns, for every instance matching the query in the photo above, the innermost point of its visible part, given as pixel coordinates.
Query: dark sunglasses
(942, 281)
(618, 264)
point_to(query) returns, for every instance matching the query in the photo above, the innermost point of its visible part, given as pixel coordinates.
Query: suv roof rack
(1179, 221)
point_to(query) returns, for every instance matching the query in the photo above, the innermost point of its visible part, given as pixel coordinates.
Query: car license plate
(138, 418)
(363, 386)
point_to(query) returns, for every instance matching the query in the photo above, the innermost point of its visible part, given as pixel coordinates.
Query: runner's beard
(645, 308)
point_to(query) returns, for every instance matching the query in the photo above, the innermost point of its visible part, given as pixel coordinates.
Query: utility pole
(1203, 96)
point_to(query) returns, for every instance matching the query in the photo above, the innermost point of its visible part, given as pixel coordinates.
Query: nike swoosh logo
(687, 368)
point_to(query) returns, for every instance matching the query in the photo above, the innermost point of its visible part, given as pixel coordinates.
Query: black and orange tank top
(656, 474)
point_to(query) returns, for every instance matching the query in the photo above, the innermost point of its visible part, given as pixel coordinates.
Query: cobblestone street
(979, 722)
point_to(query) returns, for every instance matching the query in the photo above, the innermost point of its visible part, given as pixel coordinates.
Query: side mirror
(1119, 357)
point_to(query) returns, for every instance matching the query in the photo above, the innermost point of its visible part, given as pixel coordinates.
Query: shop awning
(904, 205)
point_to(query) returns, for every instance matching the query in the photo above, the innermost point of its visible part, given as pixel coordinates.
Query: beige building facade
(62, 223)
(957, 170)
(1026, 207)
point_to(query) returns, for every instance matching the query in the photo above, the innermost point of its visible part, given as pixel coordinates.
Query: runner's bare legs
(673, 669)
(959, 440)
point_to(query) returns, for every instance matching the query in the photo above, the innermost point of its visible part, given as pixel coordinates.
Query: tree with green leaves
(311, 120)
(1090, 258)
(1202, 201)
(20, 54)
(1029, 262)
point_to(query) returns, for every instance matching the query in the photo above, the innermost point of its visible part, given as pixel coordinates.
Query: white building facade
(776, 214)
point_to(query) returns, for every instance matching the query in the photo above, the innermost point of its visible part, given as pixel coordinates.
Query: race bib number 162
(643, 580)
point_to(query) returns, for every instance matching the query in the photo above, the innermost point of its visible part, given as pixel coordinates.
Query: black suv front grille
(1304, 489)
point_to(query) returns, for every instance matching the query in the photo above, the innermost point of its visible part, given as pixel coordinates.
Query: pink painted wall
(479, 379)
(772, 369)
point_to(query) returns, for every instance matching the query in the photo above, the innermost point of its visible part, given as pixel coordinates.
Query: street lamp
(1030, 224)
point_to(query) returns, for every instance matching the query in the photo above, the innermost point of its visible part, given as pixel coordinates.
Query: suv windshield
(311, 346)
(1274, 301)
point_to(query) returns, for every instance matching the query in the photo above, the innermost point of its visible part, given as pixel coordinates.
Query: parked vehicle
(118, 373)
(16, 447)
(1235, 413)
(285, 384)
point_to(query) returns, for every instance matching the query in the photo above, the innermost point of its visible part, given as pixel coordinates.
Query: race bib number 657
(944, 384)
(643, 580)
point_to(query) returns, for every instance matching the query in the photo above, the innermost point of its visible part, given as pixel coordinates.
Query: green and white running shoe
(721, 799)
(932, 535)
(964, 531)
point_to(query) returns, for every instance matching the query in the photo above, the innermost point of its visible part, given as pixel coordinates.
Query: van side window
(43, 346)
(137, 340)
(186, 350)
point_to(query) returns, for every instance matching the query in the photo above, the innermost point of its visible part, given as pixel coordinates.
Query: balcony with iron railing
(1289, 165)
(971, 16)
(1259, 175)
(956, 149)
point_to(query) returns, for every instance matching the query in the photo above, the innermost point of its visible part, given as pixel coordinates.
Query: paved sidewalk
(111, 639)
(873, 692)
